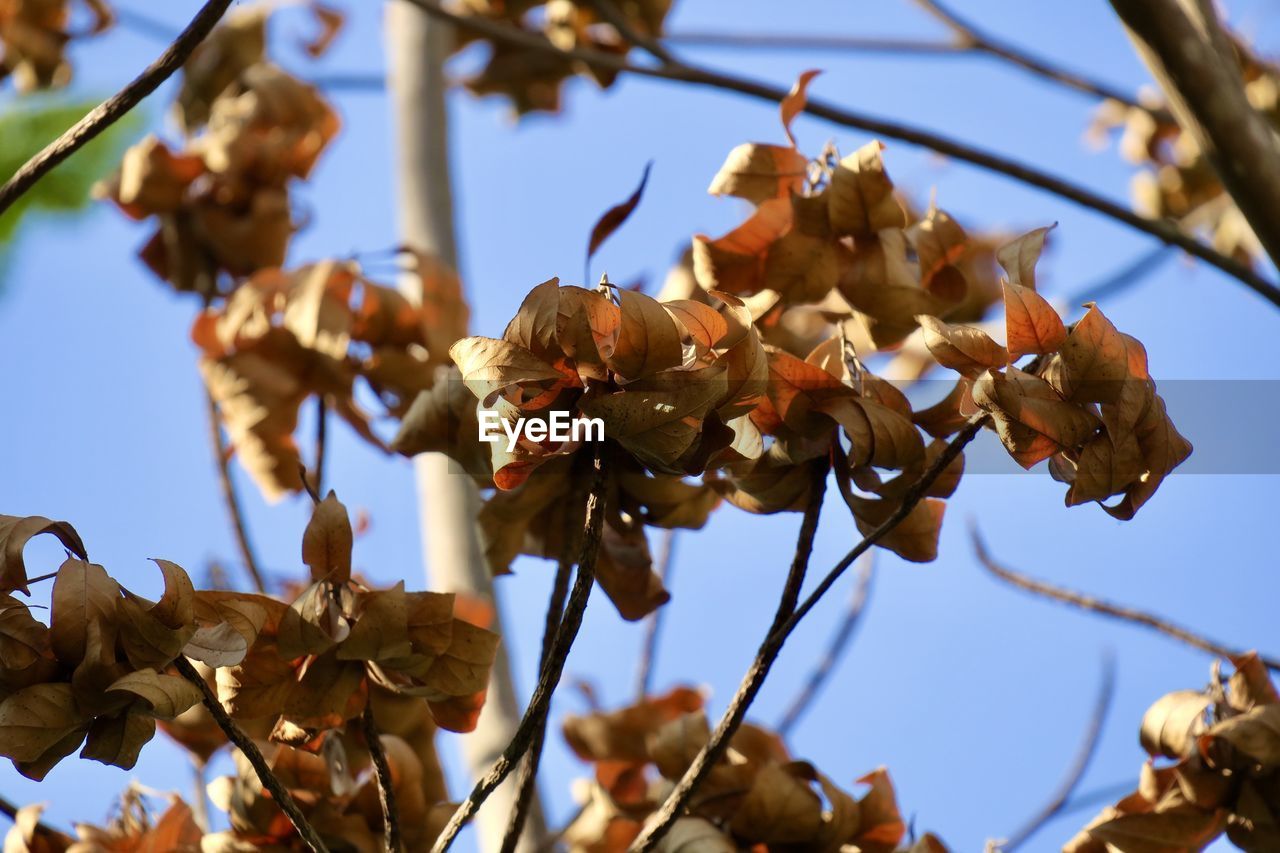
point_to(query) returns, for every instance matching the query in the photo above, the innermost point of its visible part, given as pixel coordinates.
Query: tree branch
(386, 783)
(839, 643)
(1095, 605)
(733, 716)
(612, 15)
(245, 744)
(772, 645)
(1089, 746)
(1162, 230)
(971, 37)
(231, 497)
(549, 677)
(653, 625)
(527, 778)
(114, 108)
(1192, 59)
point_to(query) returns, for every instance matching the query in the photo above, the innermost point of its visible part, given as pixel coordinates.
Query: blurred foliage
(29, 126)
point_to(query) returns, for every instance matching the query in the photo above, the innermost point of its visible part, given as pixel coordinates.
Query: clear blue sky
(974, 695)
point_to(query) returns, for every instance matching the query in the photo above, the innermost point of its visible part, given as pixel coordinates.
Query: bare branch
(549, 677)
(1088, 746)
(778, 634)
(1192, 59)
(1096, 605)
(970, 36)
(245, 744)
(114, 108)
(612, 15)
(754, 680)
(653, 625)
(231, 497)
(386, 784)
(322, 441)
(527, 778)
(1162, 230)
(839, 643)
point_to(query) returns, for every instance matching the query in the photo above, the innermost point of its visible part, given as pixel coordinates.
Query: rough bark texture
(1189, 55)
(447, 499)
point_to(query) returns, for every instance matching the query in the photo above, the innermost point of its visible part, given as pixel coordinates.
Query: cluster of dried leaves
(757, 798)
(297, 676)
(1225, 745)
(1177, 181)
(751, 370)
(221, 204)
(34, 35)
(532, 79)
(283, 336)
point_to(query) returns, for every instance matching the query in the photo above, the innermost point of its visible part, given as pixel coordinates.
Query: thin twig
(322, 429)
(245, 744)
(1163, 230)
(1088, 747)
(114, 108)
(772, 645)
(386, 784)
(653, 625)
(971, 37)
(231, 497)
(711, 753)
(839, 643)
(1106, 608)
(527, 778)
(612, 15)
(549, 677)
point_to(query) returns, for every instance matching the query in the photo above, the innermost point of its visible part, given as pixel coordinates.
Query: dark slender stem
(1088, 747)
(1106, 608)
(970, 36)
(322, 429)
(549, 678)
(386, 784)
(245, 744)
(114, 108)
(653, 625)
(714, 749)
(231, 497)
(612, 15)
(527, 778)
(821, 673)
(1165, 231)
(671, 809)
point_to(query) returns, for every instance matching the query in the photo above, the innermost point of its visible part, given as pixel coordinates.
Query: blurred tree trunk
(447, 498)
